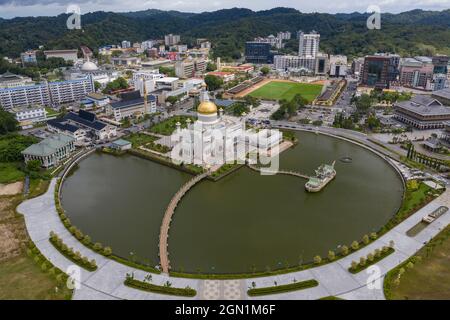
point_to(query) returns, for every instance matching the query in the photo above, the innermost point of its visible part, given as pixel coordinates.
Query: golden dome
(207, 107)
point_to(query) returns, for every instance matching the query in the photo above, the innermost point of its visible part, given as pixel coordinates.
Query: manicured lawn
(286, 90)
(9, 172)
(429, 278)
(168, 126)
(140, 139)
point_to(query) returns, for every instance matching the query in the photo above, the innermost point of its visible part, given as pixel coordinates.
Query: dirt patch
(11, 188)
(9, 243)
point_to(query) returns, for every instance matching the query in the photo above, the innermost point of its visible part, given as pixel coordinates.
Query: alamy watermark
(374, 20)
(74, 20)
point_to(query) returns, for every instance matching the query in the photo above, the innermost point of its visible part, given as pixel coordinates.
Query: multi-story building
(272, 40)
(171, 39)
(190, 67)
(415, 73)
(82, 125)
(35, 95)
(46, 94)
(27, 116)
(357, 66)
(125, 61)
(71, 90)
(338, 66)
(126, 44)
(11, 80)
(286, 63)
(440, 64)
(28, 57)
(322, 64)
(422, 112)
(258, 53)
(148, 44)
(132, 105)
(308, 44)
(284, 35)
(50, 151)
(67, 55)
(375, 71)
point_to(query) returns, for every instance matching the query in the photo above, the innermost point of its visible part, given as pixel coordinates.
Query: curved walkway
(289, 173)
(165, 226)
(334, 279)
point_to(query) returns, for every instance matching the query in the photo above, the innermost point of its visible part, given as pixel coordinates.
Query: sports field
(275, 90)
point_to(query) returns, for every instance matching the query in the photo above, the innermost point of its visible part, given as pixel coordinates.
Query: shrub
(107, 251)
(385, 249)
(362, 261)
(86, 240)
(354, 265)
(72, 229)
(410, 265)
(377, 253)
(355, 245)
(344, 250)
(373, 235)
(69, 253)
(98, 246)
(370, 257)
(79, 235)
(317, 259)
(331, 255)
(366, 239)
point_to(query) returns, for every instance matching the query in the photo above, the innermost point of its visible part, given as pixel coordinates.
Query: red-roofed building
(225, 76)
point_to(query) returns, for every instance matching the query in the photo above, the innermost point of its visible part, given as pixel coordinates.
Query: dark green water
(243, 222)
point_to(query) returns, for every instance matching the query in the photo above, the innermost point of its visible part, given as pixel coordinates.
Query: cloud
(11, 8)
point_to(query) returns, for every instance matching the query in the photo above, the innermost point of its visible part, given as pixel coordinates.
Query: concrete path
(334, 279)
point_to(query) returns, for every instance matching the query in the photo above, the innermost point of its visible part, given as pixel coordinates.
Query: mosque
(215, 139)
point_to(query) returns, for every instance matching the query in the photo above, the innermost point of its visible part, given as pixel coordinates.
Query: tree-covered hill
(415, 32)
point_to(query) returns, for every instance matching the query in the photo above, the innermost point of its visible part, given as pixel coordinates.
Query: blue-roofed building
(132, 105)
(82, 126)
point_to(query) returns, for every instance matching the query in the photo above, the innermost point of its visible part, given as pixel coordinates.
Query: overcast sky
(14, 8)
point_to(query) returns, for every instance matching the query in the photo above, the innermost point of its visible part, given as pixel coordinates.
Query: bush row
(370, 259)
(96, 246)
(166, 289)
(46, 266)
(345, 250)
(283, 288)
(71, 254)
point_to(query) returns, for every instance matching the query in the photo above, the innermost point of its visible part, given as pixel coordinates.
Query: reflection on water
(241, 223)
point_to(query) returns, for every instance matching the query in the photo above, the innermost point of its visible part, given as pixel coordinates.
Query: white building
(338, 66)
(67, 55)
(308, 44)
(71, 90)
(215, 139)
(284, 35)
(27, 116)
(132, 105)
(171, 39)
(286, 63)
(126, 44)
(11, 80)
(34, 95)
(50, 151)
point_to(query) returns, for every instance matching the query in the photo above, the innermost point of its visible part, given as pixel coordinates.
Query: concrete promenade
(334, 279)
